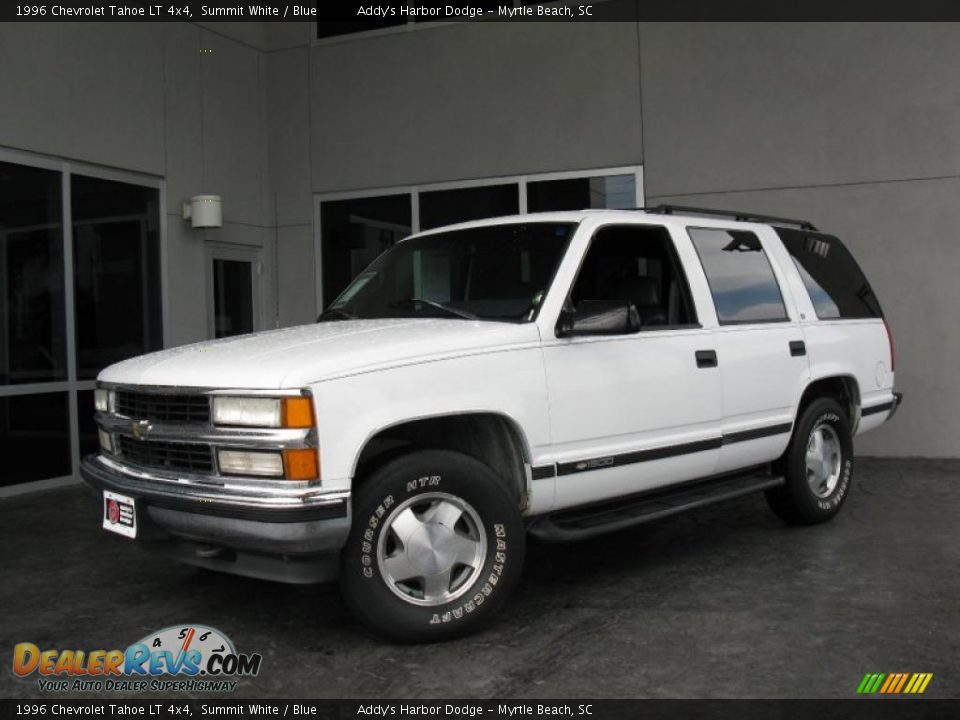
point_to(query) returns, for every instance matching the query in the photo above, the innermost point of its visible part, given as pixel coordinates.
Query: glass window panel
(355, 232)
(232, 297)
(445, 207)
(34, 437)
(32, 308)
(837, 286)
(500, 272)
(617, 192)
(637, 264)
(89, 442)
(116, 272)
(741, 280)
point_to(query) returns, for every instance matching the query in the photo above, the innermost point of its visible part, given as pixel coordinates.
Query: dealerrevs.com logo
(190, 658)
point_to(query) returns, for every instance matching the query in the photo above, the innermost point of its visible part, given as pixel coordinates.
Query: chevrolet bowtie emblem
(140, 429)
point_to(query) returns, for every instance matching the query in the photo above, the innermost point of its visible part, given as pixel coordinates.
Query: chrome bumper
(268, 502)
(293, 537)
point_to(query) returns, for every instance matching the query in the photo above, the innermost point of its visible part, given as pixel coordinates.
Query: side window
(742, 282)
(836, 284)
(638, 264)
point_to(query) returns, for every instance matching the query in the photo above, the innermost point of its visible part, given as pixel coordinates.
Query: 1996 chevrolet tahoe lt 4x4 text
(558, 374)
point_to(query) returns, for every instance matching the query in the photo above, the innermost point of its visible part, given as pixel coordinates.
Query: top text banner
(346, 16)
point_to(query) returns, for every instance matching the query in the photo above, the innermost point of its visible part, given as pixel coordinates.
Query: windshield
(495, 272)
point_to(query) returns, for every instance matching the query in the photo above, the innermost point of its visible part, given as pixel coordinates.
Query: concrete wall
(474, 100)
(143, 97)
(856, 127)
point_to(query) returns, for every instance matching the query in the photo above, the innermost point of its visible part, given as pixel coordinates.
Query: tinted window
(32, 330)
(446, 207)
(637, 264)
(116, 264)
(354, 232)
(34, 437)
(836, 284)
(741, 280)
(232, 297)
(610, 191)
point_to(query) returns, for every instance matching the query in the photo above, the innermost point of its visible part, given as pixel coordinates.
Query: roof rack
(735, 214)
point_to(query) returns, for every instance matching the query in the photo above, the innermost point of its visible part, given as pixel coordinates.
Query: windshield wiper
(409, 302)
(336, 314)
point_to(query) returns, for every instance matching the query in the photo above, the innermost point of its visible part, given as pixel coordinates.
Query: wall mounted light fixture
(204, 211)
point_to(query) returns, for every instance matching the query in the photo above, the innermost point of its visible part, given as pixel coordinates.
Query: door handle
(706, 358)
(798, 348)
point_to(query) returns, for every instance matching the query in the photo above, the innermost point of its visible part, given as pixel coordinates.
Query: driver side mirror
(599, 317)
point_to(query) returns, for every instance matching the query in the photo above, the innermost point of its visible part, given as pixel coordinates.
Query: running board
(587, 521)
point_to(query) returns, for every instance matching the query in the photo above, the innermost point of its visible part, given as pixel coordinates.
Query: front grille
(166, 455)
(163, 408)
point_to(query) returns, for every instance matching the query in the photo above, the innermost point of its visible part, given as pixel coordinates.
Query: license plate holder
(119, 514)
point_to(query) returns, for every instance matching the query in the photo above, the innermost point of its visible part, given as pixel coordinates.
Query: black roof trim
(735, 214)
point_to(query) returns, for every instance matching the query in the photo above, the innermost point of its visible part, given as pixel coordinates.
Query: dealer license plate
(119, 514)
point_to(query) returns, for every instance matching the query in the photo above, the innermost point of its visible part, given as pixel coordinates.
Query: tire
(816, 490)
(435, 549)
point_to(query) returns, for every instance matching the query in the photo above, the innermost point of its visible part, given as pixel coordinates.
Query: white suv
(559, 374)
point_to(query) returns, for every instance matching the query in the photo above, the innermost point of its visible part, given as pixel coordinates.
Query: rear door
(760, 347)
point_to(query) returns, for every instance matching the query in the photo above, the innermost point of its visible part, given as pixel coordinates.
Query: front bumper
(295, 536)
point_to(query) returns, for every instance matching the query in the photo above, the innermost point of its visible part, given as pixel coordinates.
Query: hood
(297, 356)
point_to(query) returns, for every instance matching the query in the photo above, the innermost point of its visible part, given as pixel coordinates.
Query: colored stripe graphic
(894, 683)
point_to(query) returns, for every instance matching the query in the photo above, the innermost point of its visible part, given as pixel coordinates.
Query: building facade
(325, 151)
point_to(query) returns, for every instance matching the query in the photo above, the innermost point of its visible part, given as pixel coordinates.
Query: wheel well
(492, 439)
(842, 388)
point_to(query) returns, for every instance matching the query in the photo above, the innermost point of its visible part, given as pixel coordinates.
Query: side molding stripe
(542, 472)
(639, 456)
(756, 433)
(873, 410)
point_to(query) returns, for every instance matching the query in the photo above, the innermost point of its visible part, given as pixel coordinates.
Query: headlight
(290, 412)
(106, 443)
(252, 411)
(241, 462)
(104, 400)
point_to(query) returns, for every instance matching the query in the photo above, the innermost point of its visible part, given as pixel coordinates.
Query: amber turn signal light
(301, 464)
(297, 412)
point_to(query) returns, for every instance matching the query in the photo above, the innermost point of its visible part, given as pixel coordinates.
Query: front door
(633, 412)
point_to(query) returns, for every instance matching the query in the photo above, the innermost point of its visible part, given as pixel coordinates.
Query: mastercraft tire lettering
(437, 547)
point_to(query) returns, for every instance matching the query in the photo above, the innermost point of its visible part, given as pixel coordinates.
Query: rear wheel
(818, 466)
(436, 547)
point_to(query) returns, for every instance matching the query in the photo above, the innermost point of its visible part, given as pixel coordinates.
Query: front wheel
(436, 547)
(818, 466)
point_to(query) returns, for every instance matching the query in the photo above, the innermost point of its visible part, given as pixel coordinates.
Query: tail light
(893, 362)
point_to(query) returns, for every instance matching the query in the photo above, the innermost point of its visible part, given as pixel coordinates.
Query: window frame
(72, 385)
(413, 192)
(696, 325)
(773, 272)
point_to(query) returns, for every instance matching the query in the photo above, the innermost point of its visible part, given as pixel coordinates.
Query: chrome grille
(162, 407)
(168, 455)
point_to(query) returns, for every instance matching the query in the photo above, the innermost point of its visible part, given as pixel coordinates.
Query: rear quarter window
(837, 286)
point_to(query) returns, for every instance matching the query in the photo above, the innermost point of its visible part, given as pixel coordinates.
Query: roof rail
(735, 214)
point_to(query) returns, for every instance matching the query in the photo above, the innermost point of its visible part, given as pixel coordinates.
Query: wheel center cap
(430, 549)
